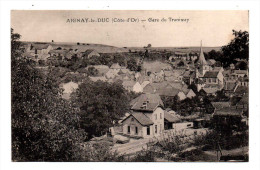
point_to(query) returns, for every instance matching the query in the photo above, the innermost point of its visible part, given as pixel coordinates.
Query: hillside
(101, 48)
(176, 49)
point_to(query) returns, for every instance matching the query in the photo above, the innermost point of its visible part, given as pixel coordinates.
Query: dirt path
(131, 147)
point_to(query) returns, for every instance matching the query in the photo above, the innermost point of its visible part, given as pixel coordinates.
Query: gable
(138, 117)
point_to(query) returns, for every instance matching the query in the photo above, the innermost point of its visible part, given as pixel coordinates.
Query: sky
(214, 28)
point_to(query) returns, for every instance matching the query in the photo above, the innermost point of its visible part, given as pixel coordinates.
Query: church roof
(202, 59)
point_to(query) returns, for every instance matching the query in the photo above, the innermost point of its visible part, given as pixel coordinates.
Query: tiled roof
(219, 105)
(152, 102)
(210, 90)
(59, 51)
(241, 89)
(171, 118)
(230, 85)
(211, 74)
(186, 74)
(211, 61)
(128, 83)
(145, 83)
(168, 92)
(115, 66)
(228, 112)
(240, 71)
(177, 85)
(141, 118)
(217, 68)
(168, 73)
(39, 46)
(87, 52)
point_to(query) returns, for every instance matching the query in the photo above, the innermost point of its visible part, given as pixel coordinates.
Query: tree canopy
(101, 104)
(44, 126)
(237, 48)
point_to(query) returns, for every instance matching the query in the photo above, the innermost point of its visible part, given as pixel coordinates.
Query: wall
(181, 96)
(220, 78)
(180, 126)
(137, 88)
(132, 124)
(159, 121)
(191, 94)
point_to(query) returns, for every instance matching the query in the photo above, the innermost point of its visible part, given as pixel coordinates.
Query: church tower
(202, 65)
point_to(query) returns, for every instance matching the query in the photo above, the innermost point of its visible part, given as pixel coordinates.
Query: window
(160, 115)
(136, 130)
(148, 130)
(155, 128)
(209, 80)
(132, 119)
(128, 129)
(155, 117)
(160, 127)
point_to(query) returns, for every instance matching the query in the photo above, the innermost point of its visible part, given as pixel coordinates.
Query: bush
(173, 143)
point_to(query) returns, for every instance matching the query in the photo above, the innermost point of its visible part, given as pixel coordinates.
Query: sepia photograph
(129, 85)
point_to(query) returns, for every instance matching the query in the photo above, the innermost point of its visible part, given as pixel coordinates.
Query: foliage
(101, 104)
(44, 126)
(221, 96)
(132, 65)
(237, 48)
(41, 63)
(213, 54)
(241, 65)
(98, 151)
(143, 156)
(213, 140)
(92, 71)
(180, 64)
(188, 106)
(173, 142)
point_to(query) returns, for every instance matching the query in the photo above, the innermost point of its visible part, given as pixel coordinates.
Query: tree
(101, 104)
(180, 64)
(216, 55)
(241, 65)
(146, 54)
(44, 126)
(132, 64)
(92, 71)
(237, 48)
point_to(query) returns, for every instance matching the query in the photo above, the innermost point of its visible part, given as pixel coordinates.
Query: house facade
(147, 117)
(39, 51)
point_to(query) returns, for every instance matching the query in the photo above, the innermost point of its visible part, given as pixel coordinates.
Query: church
(208, 78)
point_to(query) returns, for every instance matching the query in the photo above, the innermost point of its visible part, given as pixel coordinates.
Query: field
(100, 48)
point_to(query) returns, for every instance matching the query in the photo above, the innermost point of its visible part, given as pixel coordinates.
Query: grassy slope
(112, 49)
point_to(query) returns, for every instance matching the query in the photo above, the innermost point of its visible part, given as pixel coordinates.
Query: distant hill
(101, 48)
(176, 49)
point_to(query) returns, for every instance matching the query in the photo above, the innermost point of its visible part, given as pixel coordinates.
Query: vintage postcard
(130, 86)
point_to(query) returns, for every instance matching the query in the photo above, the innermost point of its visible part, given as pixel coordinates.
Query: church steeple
(202, 60)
